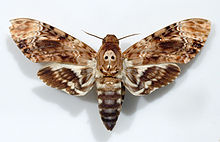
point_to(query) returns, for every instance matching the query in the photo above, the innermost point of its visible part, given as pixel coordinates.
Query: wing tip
(19, 19)
(201, 21)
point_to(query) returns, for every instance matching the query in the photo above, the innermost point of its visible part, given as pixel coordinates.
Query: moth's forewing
(74, 64)
(148, 64)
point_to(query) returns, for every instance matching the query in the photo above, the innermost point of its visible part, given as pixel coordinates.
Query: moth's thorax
(109, 58)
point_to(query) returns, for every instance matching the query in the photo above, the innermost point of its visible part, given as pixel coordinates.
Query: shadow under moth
(76, 68)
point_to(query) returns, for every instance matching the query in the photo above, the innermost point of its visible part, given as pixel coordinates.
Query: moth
(76, 68)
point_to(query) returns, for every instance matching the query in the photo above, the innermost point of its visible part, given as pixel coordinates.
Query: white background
(185, 111)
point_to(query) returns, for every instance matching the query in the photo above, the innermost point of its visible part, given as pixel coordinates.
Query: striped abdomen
(110, 98)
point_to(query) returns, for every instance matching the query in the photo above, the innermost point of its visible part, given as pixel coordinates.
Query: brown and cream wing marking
(149, 63)
(72, 79)
(142, 80)
(41, 42)
(177, 43)
(75, 65)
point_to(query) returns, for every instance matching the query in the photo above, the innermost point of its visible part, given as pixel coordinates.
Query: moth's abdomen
(109, 108)
(110, 98)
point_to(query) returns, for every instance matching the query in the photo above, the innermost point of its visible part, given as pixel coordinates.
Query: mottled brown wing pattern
(75, 65)
(142, 80)
(177, 43)
(41, 42)
(72, 79)
(149, 63)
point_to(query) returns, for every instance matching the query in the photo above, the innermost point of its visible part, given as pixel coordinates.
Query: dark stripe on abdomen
(109, 108)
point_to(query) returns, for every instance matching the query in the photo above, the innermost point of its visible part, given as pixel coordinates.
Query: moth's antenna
(92, 35)
(128, 36)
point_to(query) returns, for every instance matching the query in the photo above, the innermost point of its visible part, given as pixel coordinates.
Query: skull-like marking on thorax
(109, 56)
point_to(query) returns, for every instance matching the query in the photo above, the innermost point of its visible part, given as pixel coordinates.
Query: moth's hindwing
(75, 65)
(41, 42)
(74, 80)
(147, 63)
(142, 80)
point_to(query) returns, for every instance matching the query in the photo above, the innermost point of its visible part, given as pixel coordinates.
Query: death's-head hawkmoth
(75, 68)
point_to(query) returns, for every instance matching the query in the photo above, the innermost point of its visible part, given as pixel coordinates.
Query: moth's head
(110, 39)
